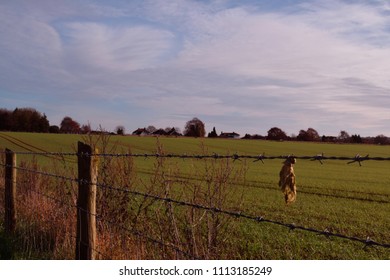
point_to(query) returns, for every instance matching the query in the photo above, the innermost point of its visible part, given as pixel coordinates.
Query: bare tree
(195, 128)
(343, 136)
(120, 130)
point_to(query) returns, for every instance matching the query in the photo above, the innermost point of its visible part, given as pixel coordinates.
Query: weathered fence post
(10, 191)
(86, 203)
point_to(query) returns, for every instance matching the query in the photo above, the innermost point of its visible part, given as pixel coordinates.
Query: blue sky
(242, 66)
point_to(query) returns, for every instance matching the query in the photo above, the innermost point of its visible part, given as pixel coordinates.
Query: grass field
(342, 198)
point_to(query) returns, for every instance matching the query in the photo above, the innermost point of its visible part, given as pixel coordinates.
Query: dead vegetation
(139, 216)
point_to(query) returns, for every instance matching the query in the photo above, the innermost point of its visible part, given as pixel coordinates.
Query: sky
(242, 66)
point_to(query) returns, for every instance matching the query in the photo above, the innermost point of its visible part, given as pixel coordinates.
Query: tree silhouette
(276, 133)
(195, 128)
(213, 133)
(23, 119)
(343, 136)
(68, 125)
(120, 130)
(309, 135)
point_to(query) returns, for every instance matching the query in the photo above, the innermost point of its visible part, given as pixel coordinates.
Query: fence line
(170, 200)
(75, 180)
(99, 217)
(256, 158)
(258, 219)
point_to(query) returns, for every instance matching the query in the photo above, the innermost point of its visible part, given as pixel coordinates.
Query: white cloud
(316, 63)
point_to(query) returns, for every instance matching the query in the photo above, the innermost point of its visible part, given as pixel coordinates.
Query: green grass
(343, 198)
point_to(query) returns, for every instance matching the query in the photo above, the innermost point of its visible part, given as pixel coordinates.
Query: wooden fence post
(86, 203)
(10, 191)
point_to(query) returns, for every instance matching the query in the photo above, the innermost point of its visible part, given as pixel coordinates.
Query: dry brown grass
(129, 225)
(45, 226)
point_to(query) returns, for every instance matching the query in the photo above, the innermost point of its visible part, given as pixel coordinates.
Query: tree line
(31, 120)
(311, 135)
(24, 119)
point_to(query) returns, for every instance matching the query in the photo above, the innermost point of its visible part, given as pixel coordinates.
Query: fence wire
(258, 219)
(235, 214)
(97, 216)
(256, 158)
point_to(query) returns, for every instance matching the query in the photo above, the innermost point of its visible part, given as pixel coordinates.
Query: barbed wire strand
(100, 217)
(291, 226)
(259, 219)
(75, 180)
(319, 157)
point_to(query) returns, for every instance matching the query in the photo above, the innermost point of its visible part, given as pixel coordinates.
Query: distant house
(141, 132)
(254, 136)
(160, 132)
(173, 132)
(231, 135)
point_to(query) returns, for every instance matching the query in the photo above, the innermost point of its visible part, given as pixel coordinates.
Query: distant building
(254, 136)
(231, 135)
(160, 132)
(173, 132)
(141, 132)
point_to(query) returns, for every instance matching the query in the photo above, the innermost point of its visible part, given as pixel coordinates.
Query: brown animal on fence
(287, 180)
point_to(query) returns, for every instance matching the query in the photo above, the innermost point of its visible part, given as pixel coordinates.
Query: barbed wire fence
(261, 157)
(85, 206)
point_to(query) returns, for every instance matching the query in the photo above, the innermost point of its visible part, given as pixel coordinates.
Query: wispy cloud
(243, 66)
(117, 48)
